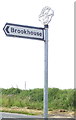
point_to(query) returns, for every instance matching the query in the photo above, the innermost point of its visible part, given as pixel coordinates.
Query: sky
(22, 60)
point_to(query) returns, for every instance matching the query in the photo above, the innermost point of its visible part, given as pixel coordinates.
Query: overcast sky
(22, 60)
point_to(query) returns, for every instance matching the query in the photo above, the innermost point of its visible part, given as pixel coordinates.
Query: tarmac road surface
(16, 116)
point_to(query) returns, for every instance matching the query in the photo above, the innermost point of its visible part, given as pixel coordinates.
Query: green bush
(35, 105)
(11, 91)
(0, 100)
(33, 99)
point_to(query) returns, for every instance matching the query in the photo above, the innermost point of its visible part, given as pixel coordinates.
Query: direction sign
(15, 30)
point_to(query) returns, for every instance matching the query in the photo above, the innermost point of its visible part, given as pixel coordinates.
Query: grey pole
(46, 71)
(45, 17)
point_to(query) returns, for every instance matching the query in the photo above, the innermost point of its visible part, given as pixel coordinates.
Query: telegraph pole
(25, 85)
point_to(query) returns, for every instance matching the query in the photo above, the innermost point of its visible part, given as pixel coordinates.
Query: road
(15, 115)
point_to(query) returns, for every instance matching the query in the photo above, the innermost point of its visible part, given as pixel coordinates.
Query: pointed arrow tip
(6, 29)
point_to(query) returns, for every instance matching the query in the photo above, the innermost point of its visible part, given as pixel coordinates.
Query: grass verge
(21, 111)
(37, 112)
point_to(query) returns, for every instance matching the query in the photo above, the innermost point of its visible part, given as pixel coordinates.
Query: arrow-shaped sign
(22, 31)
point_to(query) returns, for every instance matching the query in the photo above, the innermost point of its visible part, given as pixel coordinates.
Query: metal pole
(46, 72)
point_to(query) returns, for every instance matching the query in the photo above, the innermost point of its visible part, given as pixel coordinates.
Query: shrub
(33, 99)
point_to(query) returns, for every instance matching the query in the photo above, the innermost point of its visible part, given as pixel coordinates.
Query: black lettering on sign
(12, 29)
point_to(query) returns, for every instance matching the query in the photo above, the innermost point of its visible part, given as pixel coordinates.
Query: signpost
(45, 17)
(37, 33)
(22, 31)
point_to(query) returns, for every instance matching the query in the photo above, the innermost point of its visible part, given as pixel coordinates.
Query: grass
(33, 99)
(21, 110)
(37, 112)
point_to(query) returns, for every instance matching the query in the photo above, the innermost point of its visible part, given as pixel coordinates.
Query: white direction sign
(22, 31)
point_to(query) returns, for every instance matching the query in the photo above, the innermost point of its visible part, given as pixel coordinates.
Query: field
(23, 101)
